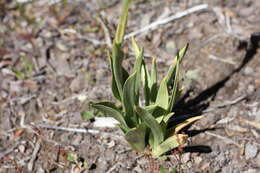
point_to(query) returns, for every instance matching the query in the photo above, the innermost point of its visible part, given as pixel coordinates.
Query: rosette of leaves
(145, 127)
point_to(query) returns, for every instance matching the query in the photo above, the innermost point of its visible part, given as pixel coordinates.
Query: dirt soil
(53, 62)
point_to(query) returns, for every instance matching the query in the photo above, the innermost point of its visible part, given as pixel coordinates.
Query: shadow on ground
(197, 106)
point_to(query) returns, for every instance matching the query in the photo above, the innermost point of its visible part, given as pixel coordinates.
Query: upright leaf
(122, 22)
(129, 98)
(175, 87)
(117, 58)
(153, 81)
(137, 66)
(114, 88)
(145, 80)
(117, 54)
(162, 98)
(171, 70)
(153, 73)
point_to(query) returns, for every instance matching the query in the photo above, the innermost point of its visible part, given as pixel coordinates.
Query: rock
(171, 47)
(197, 160)
(185, 157)
(250, 170)
(225, 120)
(221, 159)
(227, 169)
(248, 70)
(250, 151)
(77, 83)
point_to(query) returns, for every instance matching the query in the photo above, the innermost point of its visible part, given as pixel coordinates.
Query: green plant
(26, 70)
(145, 127)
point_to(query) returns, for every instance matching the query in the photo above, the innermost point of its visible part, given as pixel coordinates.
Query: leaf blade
(150, 122)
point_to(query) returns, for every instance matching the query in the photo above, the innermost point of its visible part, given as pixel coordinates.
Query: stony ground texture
(53, 62)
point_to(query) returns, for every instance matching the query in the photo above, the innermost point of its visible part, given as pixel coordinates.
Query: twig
(34, 156)
(92, 40)
(106, 32)
(252, 123)
(76, 130)
(227, 103)
(8, 151)
(223, 138)
(222, 60)
(155, 24)
(112, 169)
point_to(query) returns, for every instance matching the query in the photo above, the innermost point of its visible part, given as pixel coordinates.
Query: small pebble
(185, 157)
(250, 151)
(197, 160)
(248, 70)
(21, 148)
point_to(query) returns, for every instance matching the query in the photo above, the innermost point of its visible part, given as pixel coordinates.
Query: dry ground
(53, 62)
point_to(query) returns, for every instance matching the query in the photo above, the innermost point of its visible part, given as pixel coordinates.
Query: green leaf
(137, 69)
(167, 117)
(137, 50)
(85, 115)
(136, 137)
(114, 88)
(122, 22)
(179, 56)
(109, 110)
(72, 157)
(174, 95)
(129, 99)
(162, 98)
(153, 82)
(169, 144)
(145, 80)
(153, 73)
(150, 122)
(117, 58)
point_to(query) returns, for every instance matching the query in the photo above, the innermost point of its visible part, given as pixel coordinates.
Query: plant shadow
(186, 109)
(196, 106)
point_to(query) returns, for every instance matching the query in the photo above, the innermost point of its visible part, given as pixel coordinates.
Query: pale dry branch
(8, 151)
(157, 23)
(76, 130)
(34, 156)
(227, 103)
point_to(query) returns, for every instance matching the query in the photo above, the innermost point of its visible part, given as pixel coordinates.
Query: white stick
(155, 24)
(76, 130)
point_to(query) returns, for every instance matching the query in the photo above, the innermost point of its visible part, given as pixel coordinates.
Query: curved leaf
(120, 32)
(186, 122)
(129, 98)
(174, 94)
(171, 71)
(150, 121)
(169, 144)
(114, 88)
(109, 110)
(136, 137)
(162, 98)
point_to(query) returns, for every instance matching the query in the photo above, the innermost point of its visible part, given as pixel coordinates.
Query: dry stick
(76, 130)
(223, 138)
(92, 131)
(34, 156)
(227, 103)
(155, 24)
(8, 151)
(106, 32)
